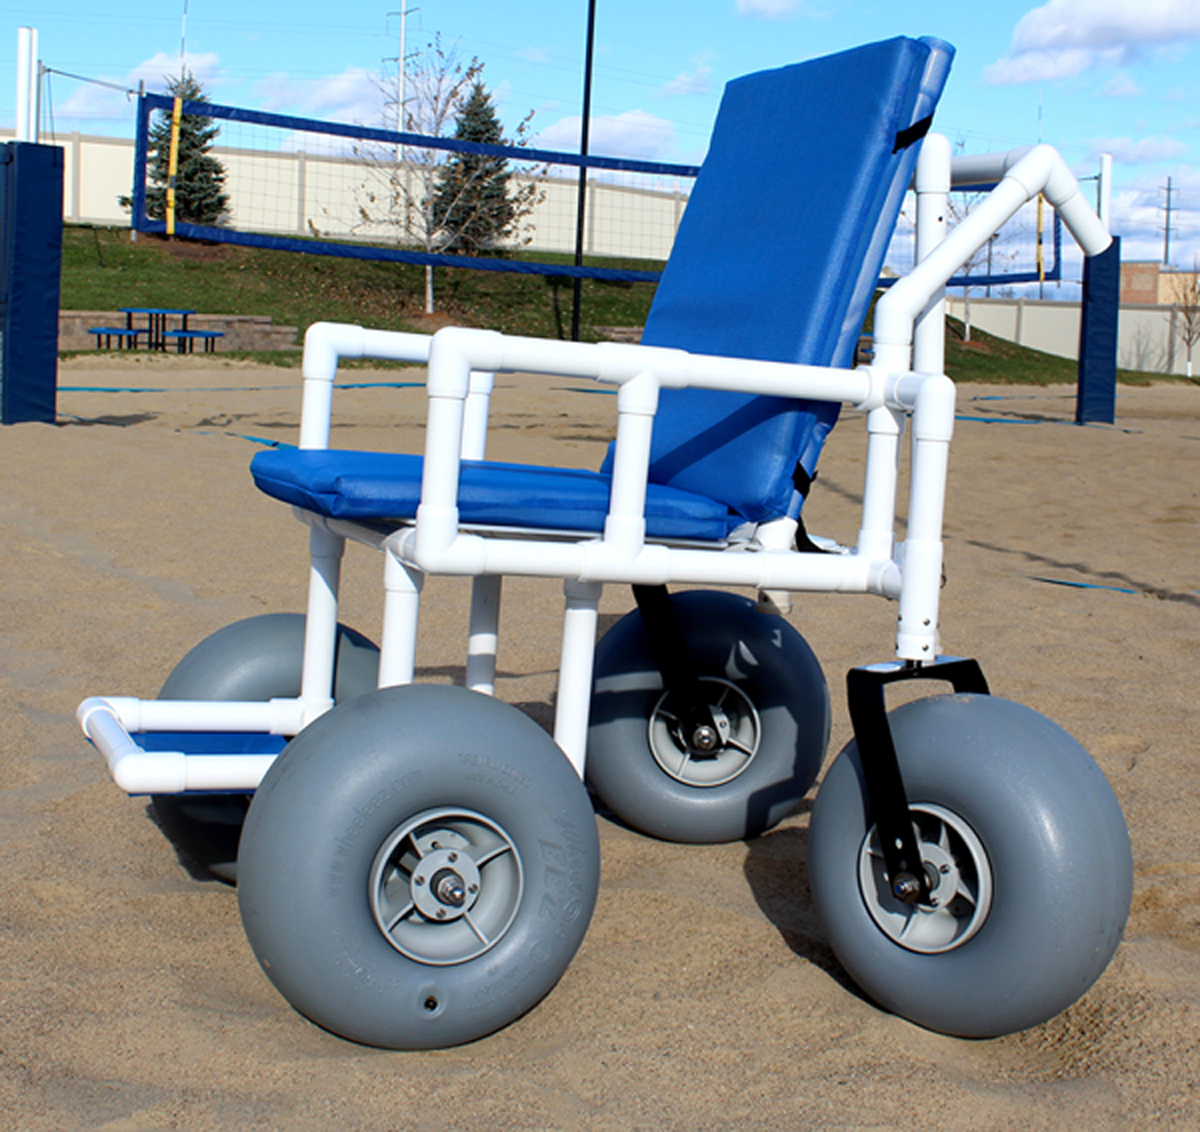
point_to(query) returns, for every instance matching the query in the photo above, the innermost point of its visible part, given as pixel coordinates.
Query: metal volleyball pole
(583, 150)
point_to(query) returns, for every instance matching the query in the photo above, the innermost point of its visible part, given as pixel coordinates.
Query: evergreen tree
(471, 207)
(199, 177)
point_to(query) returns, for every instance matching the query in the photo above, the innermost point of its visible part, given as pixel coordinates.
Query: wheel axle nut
(906, 887)
(705, 738)
(448, 887)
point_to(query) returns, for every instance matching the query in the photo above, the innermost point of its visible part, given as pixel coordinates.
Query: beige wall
(1144, 337)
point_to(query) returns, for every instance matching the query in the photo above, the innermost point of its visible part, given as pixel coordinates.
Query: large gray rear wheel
(418, 867)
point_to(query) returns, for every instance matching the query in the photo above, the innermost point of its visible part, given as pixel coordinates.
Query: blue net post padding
(31, 195)
(1096, 392)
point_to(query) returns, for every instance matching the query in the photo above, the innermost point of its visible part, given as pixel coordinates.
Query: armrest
(639, 372)
(327, 342)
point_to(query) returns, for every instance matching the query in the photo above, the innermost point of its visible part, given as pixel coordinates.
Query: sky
(1087, 76)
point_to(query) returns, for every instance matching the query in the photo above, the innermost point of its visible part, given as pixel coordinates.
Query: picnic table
(156, 323)
(156, 330)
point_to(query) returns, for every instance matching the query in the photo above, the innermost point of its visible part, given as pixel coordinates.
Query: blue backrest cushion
(778, 254)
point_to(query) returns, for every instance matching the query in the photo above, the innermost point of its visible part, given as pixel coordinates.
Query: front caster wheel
(1028, 858)
(257, 659)
(768, 700)
(418, 867)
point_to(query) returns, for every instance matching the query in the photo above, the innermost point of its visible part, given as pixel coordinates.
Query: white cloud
(767, 9)
(1143, 151)
(161, 67)
(698, 81)
(1121, 86)
(90, 103)
(347, 97)
(1063, 38)
(533, 55)
(634, 134)
(775, 9)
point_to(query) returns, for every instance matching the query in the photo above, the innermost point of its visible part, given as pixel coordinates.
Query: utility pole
(401, 168)
(1167, 229)
(403, 14)
(583, 150)
(183, 43)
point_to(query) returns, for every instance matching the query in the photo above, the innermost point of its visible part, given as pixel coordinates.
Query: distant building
(1147, 282)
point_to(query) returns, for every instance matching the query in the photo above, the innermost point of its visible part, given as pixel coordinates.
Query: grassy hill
(104, 270)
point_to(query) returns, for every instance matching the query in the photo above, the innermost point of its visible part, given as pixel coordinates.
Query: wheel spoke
(404, 913)
(738, 746)
(480, 935)
(413, 846)
(962, 892)
(497, 850)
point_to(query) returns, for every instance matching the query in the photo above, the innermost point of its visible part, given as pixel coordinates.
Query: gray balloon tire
(259, 658)
(335, 797)
(1056, 842)
(764, 656)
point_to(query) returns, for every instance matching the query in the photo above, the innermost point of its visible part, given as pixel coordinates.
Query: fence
(1147, 340)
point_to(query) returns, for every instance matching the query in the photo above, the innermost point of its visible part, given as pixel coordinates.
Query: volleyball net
(338, 189)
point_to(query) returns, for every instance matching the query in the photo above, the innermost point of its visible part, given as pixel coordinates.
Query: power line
(85, 79)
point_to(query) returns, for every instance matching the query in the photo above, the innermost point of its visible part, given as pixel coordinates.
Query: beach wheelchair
(418, 864)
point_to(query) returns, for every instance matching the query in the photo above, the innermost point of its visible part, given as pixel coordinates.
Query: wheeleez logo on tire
(562, 897)
(345, 843)
(481, 765)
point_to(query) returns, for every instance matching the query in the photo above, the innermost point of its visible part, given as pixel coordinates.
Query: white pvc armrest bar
(324, 344)
(475, 416)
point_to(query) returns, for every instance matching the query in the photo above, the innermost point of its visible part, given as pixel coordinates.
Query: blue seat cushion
(386, 486)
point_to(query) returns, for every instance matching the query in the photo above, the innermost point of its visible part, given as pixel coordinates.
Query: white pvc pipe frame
(905, 377)
(27, 85)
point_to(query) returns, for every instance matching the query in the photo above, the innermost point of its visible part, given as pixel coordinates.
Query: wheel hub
(710, 755)
(959, 875)
(445, 886)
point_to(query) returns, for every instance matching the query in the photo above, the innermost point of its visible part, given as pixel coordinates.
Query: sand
(705, 995)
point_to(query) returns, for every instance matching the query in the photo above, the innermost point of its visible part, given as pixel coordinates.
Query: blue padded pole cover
(31, 194)
(1096, 392)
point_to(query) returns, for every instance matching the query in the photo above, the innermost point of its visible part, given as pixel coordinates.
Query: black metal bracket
(881, 769)
(681, 678)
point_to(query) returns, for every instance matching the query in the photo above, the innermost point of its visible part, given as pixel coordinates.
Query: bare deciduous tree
(958, 208)
(404, 190)
(1185, 310)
